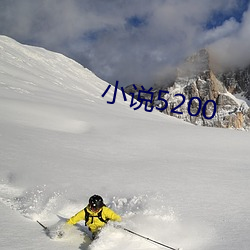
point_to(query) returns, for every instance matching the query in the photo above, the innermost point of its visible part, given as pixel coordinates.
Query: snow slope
(60, 142)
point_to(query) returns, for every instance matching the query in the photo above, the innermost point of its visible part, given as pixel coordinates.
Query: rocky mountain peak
(196, 79)
(197, 64)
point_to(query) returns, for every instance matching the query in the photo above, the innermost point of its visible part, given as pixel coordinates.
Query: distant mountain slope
(26, 68)
(33, 74)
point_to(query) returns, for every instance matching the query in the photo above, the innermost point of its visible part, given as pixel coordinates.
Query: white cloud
(228, 28)
(233, 50)
(98, 34)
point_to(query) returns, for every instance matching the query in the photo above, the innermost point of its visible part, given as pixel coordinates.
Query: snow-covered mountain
(60, 142)
(199, 82)
(196, 78)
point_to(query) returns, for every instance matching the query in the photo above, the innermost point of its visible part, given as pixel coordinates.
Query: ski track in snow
(145, 214)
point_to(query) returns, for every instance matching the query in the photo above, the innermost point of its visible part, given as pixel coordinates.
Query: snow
(242, 99)
(182, 185)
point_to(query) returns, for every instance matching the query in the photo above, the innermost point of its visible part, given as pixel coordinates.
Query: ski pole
(45, 228)
(146, 238)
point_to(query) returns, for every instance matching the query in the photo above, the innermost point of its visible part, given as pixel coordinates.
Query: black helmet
(95, 202)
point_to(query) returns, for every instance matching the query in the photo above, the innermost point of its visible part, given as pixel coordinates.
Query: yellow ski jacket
(94, 223)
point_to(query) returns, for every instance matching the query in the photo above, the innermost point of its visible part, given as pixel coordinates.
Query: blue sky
(218, 17)
(133, 41)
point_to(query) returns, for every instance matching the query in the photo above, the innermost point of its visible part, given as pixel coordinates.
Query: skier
(95, 214)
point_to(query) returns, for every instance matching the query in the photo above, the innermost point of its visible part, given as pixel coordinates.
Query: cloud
(228, 28)
(233, 49)
(130, 41)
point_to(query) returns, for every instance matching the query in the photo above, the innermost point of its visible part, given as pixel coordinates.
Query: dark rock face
(237, 81)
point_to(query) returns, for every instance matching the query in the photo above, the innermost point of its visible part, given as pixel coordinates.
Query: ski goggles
(94, 208)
